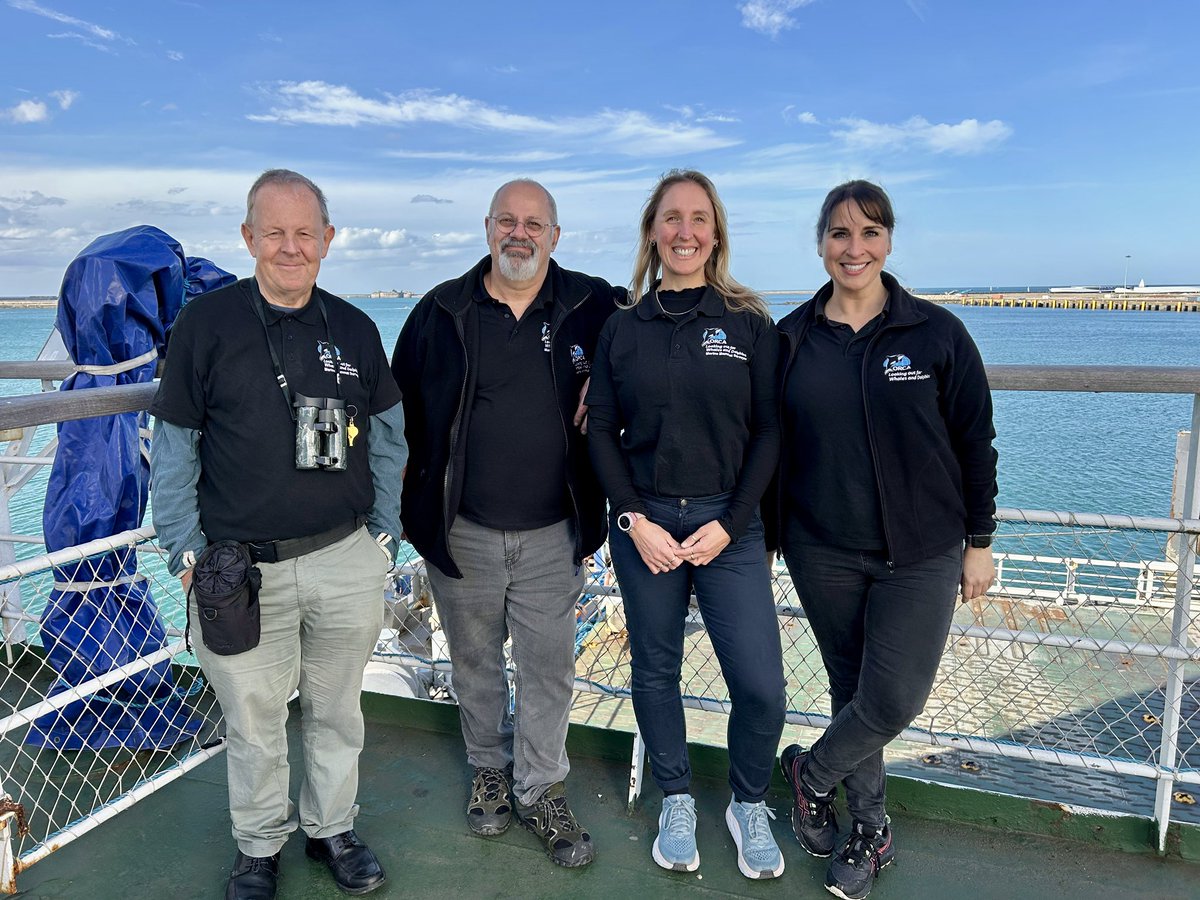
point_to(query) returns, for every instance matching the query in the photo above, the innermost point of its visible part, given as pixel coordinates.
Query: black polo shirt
(823, 408)
(685, 405)
(219, 380)
(515, 474)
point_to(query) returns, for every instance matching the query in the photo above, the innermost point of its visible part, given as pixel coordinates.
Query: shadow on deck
(414, 783)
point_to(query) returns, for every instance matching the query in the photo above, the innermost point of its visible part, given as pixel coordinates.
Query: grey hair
(290, 178)
(531, 183)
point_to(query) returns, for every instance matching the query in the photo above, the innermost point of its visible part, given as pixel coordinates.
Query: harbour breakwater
(1114, 302)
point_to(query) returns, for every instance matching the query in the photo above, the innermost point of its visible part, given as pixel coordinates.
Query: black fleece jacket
(434, 364)
(929, 420)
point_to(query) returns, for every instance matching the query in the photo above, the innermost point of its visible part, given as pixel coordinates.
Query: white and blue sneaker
(675, 846)
(750, 825)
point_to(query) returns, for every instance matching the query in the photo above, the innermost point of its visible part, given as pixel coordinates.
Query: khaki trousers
(321, 614)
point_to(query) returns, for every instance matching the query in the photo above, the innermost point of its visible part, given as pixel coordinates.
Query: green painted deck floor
(176, 844)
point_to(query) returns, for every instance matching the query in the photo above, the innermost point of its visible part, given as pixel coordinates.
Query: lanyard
(256, 302)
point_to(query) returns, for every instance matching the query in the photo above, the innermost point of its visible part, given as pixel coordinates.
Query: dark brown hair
(871, 199)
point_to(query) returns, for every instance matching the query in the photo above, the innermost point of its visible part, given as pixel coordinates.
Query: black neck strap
(257, 302)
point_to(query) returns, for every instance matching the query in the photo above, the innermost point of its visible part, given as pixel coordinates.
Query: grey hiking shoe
(813, 818)
(864, 854)
(489, 811)
(567, 843)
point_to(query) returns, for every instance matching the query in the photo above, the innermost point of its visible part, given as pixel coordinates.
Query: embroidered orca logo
(713, 336)
(896, 361)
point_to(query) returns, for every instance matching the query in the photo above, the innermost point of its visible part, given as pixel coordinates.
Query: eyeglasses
(508, 224)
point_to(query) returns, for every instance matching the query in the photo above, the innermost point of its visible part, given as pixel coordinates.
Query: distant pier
(1104, 301)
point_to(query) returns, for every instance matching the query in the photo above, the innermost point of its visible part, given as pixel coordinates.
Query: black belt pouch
(225, 583)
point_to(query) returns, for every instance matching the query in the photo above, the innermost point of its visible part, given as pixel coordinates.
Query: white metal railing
(1097, 615)
(73, 775)
(1015, 633)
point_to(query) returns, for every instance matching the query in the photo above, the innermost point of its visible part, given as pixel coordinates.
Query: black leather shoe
(253, 877)
(354, 866)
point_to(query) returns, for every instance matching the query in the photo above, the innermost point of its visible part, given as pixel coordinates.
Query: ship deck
(414, 781)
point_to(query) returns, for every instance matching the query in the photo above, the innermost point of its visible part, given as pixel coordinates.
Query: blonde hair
(647, 266)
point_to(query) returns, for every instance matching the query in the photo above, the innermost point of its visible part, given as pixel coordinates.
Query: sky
(1022, 143)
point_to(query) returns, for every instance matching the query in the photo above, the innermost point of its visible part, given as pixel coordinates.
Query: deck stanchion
(637, 768)
(1168, 754)
(8, 860)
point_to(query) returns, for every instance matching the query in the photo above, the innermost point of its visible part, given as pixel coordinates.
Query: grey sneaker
(864, 854)
(489, 811)
(552, 820)
(750, 825)
(813, 818)
(675, 846)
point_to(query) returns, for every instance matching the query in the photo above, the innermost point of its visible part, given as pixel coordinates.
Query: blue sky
(1022, 142)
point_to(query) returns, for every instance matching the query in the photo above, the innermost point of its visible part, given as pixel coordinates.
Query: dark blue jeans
(881, 633)
(734, 593)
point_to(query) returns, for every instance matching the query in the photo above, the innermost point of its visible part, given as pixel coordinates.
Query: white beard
(517, 268)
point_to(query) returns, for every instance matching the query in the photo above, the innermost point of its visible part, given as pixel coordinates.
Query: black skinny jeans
(881, 633)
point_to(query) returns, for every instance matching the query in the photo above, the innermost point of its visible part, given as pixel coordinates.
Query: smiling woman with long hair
(887, 497)
(684, 436)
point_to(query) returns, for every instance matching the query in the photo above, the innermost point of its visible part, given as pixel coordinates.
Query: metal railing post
(1168, 752)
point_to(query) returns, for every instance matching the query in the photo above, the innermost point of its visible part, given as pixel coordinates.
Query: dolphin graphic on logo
(713, 336)
(896, 361)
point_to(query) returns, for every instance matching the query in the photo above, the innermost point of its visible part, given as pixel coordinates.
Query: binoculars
(320, 433)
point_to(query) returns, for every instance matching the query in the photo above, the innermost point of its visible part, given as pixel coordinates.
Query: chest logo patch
(716, 343)
(328, 353)
(898, 367)
(579, 361)
(546, 336)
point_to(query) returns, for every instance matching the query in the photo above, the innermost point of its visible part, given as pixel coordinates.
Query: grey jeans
(321, 614)
(523, 585)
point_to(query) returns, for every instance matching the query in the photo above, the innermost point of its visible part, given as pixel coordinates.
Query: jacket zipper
(887, 536)
(454, 429)
(563, 421)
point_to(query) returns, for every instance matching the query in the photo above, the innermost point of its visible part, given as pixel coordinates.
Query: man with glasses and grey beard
(500, 500)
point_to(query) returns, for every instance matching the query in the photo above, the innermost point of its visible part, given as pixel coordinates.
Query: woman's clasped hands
(662, 553)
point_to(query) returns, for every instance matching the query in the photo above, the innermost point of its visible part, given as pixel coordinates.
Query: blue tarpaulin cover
(118, 300)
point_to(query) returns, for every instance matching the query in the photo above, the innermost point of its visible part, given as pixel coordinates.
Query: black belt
(278, 551)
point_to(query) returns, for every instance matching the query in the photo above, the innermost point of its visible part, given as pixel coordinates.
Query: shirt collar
(821, 298)
(309, 313)
(711, 304)
(545, 294)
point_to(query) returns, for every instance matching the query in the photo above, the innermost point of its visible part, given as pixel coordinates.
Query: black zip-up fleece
(434, 364)
(929, 420)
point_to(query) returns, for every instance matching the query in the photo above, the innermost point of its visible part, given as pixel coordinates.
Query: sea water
(1064, 451)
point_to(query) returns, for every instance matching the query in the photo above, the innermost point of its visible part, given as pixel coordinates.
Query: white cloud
(32, 200)
(27, 112)
(104, 34)
(174, 56)
(351, 238)
(623, 131)
(456, 238)
(83, 39)
(65, 98)
(967, 136)
(770, 17)
(429, 198)
(530, 156)
(807, 118)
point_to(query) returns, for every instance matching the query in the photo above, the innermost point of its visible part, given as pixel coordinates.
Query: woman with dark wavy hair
(684, 437)
(887, 497)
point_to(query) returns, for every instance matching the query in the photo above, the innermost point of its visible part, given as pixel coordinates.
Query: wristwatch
(979, 541)
(626, 521)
